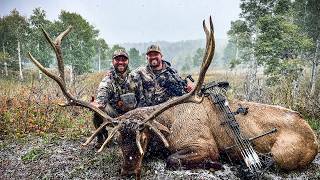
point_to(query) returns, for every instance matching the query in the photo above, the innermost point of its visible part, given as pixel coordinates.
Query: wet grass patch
(33, 155)
(3, 145)
(315, 124)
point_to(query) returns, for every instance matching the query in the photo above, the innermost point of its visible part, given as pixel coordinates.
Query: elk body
(190, 128)
(196, 135)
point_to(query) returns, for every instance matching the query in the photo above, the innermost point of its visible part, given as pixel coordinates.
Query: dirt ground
(52, 157)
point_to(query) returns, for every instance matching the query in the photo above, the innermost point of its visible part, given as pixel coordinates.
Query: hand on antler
(189, 86)
(96, 104)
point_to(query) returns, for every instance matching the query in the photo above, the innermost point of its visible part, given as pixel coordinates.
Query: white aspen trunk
(99, 65)
(295, 90)
(6, 68)
(20, 62)
(251, 77)
(71, 74)
(40, 73)
(314, 70)
(5, 63)
(237, 50)
(251, 80)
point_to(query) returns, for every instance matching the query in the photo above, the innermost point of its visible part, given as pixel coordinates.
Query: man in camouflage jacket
(158, 81)
(110, 91)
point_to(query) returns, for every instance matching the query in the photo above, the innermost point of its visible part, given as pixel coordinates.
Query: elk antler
(71, 101)
(112, 133)
(192, 96)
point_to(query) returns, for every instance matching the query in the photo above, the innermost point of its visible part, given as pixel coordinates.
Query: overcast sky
(122, 21)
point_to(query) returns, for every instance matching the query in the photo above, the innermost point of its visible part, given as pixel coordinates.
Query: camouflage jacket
(152, 88)
(110, 89)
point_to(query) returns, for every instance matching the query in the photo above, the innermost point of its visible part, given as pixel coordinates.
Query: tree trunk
(40, 75)
(237, 50)
(6, 68)
(71, 74)
(99, 61)
(295, 91)
(20, 63)
(251, 81)
(314, 70)
(3, 49)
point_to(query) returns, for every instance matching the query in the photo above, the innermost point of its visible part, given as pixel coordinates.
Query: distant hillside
(179, 50)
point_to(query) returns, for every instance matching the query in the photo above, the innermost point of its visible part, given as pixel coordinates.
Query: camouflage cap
(120, 52)
(154, 48)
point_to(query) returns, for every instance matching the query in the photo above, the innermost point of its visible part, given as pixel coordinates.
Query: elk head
(135, 128)
(134, 138)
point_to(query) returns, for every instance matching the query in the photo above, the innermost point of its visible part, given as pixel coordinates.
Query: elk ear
(160, 127)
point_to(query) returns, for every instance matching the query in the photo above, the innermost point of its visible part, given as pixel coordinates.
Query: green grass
(315, 124)
(33, 155)
(2, 145)
(109, 158)
(50, 138)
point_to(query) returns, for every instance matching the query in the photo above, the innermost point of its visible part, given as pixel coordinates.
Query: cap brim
(120, 55)
(153, 51)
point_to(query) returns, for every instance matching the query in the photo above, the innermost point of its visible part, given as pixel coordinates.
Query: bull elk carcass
(189, 126)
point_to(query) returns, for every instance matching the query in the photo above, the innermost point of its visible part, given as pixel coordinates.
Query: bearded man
(158, 81)
(111, 92)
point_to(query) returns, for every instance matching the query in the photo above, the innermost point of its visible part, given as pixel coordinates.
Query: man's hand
(189, 87)
(94, 103)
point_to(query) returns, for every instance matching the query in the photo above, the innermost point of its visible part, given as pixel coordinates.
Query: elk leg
(194, 157)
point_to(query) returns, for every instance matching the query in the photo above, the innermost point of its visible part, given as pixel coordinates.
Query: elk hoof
(213, 165)
(173, 164)
(98, 145)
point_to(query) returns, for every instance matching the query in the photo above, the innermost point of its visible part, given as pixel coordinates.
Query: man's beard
(155, 63)
(121, 68)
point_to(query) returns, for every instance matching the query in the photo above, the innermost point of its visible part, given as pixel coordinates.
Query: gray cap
(154, 48)
(120, 52)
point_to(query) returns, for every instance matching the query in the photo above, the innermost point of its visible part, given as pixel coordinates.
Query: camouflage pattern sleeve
(135, 86)
(176, 85)
(104, 91)
(177, 77)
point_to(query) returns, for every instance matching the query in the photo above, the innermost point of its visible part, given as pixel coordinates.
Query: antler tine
(94, 134)
(138, 136)
(207, 37)
(56, 45)
(192, 96)
(46, 72)
(207, 59)
(161, 136)
(62, 35)
(112, 133)
(71, 100)
(48, 38)
(211, 24)
(60, 80)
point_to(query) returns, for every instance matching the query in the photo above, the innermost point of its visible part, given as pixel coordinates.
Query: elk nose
(125, 172)
(130, 174)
